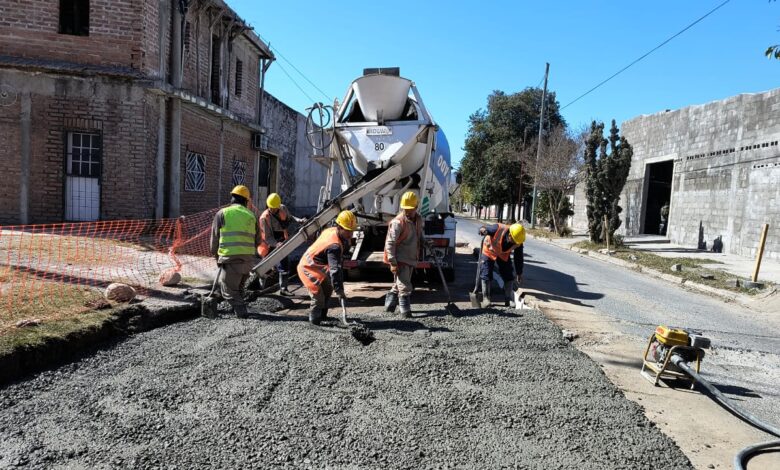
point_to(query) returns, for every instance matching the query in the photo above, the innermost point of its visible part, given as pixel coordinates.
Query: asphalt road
(745, 359)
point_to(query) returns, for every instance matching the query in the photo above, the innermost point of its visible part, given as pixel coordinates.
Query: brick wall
(201, 134)
(30, 29)
(244, 105)
(10, 151)
(197, 66)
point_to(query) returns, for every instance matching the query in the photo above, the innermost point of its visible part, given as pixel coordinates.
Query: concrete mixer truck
(380, 141)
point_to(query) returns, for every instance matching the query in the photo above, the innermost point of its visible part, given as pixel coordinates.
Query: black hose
(744, 455)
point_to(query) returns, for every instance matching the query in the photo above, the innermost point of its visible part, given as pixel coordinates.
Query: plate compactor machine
(676, 354)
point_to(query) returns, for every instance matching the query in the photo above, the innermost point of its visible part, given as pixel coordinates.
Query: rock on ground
(483, 390)
(170, 278)
(119, 292)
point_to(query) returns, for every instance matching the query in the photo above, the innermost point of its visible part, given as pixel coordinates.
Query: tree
(606, 175)
(560, 164)
(773, 51)
(498, 141)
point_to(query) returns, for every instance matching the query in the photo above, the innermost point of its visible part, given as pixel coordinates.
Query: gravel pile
(485, 390)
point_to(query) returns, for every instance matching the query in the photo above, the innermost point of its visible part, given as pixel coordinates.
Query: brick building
(716, 165)
(136, 109)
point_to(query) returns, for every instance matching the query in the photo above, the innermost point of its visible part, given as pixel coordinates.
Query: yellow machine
(666, 342)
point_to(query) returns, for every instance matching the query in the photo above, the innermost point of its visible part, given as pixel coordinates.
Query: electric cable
(279, 53)
(645, 54)
(296, 84)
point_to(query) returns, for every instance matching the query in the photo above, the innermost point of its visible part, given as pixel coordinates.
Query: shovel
(519, 299)
(358, 331)
(450, 308)
(344, 321)
(474, 296)
(207, 308)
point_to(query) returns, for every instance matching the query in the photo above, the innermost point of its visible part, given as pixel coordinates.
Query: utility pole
(539, 144)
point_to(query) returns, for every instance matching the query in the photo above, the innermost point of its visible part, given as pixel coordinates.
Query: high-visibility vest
(311, 272)
(405, 229)
(237, 235)
(265, 218)
(492, 245)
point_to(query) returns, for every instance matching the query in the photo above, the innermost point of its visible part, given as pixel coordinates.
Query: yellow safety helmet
(274, 201)
(242, 191)
(409, 200)
(347, 220)
(517, 231)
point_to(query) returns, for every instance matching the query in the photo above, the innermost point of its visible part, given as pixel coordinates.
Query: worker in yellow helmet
(235, 236)
(274, 223)
(320, 268)
(500, 241)
(402, 251)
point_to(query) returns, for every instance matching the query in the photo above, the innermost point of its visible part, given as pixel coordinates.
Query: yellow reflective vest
(237, 236)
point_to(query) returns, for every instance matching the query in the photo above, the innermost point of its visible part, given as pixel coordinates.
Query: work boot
(509, 300)
(315, 315)
(241, 311)
(391, 301)
(405, 306)
(283, 286)
(486, 285)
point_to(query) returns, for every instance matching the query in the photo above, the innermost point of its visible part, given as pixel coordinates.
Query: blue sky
(458, 52)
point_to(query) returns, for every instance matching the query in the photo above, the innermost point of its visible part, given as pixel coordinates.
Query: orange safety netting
(58, 266)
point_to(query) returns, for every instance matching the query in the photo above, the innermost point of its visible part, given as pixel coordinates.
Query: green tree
(606, 174)
(773, 52)
(497, 146)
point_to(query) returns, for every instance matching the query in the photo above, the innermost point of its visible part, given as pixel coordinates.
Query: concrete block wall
(726, 171)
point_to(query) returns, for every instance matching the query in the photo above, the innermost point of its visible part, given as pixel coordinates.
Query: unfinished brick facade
(117, 87)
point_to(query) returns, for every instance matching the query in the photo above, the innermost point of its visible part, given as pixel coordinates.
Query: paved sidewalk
(737, 265)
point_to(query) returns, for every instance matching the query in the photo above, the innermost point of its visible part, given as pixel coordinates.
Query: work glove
(394, 268)
(482, 231)
(519, 279)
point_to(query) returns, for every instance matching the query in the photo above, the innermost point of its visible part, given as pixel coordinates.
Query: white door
(82, 177)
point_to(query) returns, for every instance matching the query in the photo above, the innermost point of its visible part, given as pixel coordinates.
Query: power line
(276, 50)
(296, 84)
(646, 54)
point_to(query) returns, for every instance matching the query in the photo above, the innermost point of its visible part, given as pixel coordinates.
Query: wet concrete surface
(744, 361)
(484, 389)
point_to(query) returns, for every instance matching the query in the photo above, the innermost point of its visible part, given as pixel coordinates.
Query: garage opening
(659, 193)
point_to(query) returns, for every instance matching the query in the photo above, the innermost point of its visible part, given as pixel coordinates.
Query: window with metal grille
(195, 179)
(84, 155)
(239, 77)
(239, 172)
(74, 17)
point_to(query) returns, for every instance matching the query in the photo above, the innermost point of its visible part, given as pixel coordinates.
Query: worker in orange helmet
(320, 268)
(274, 222)
(235, 236)
(499, 243)
(402, 250)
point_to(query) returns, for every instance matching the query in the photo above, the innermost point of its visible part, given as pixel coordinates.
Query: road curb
(124, 321)
(720, 293)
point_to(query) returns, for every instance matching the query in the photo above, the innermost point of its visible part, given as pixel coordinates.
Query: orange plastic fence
(50, 264)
